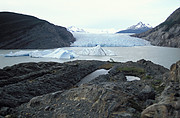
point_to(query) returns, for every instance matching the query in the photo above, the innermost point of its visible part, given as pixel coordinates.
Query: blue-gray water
(159, 55)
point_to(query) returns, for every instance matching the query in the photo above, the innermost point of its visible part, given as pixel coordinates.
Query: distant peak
(140, 25)
(75, 29)
(140, 22)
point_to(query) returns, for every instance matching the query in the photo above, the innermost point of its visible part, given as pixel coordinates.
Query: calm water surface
(159, 55)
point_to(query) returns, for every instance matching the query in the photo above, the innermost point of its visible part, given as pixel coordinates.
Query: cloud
(101, 13)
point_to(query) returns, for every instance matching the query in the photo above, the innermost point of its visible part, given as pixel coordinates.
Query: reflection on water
(159, 55)
(132, 78)
(92, 76)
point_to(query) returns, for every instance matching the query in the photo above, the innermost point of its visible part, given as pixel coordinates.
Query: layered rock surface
(106, 96)
(20, 83)
(109, 96)
(18, 31)
(166, 34)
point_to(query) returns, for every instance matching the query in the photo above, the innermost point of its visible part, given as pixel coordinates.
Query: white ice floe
(58, 53)
(107, 40)
(39, 54)
(98, 51)
(61, 54)
(19, 53)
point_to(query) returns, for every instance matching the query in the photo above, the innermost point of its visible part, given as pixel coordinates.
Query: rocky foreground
(166, 34)
(49, 90)
(18, 31)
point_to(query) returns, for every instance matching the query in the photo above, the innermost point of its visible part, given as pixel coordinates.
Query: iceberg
(39, 54)
(61, 54)
(19, 53)
(97, 51)
(57, 53)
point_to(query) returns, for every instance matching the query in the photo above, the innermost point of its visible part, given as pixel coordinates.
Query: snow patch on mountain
(140, 25)
(138, 28)
(75, 29)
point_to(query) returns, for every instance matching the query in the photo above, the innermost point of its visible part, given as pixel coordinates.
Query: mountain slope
(18, 31)
(138, 28)
(166, 34)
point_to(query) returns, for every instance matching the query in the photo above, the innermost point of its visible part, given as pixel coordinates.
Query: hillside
(18, 31)
(166, 34)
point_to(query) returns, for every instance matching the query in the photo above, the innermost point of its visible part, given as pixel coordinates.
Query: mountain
(18, 31)
(75, 29)
(166, 34)
(138, 28)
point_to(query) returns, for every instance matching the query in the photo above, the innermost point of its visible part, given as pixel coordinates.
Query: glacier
(96, 51)
(58, 53)
(107, 40)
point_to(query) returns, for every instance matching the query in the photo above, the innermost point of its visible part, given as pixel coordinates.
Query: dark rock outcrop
(168, 105)
(106, 96)
(18, 31)
(20, 83)
(52, 87)
(166, 34)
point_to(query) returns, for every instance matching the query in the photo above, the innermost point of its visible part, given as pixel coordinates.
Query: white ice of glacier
(98, 51)
(107, 40)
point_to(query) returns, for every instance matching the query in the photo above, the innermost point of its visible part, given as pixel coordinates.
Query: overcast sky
(97, 14)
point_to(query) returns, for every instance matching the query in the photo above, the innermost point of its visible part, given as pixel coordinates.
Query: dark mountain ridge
(166, 34)
(18, 31)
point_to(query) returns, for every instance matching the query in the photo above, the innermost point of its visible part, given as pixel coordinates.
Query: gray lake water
(160, 55)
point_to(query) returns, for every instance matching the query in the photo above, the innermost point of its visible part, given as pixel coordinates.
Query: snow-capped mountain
(75, 29)
(140, 25)
(138, 28)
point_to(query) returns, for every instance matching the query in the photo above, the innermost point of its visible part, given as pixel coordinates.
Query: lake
(164, 56)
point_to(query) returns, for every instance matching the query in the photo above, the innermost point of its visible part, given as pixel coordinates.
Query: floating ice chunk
(39, 54)
(61, 54)
(58, 53)
(18, 54)
(98, 50)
